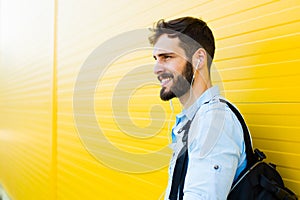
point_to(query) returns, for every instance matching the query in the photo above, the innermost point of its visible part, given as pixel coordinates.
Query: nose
(158, 68)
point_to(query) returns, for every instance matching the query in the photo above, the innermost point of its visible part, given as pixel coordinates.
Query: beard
(181, 84)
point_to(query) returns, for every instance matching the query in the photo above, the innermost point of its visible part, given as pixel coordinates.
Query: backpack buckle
(260, 155)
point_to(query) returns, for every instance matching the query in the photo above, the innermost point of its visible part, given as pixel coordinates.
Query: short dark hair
(187, 27)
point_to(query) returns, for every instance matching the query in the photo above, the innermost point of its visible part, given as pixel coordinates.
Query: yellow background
(45, 43)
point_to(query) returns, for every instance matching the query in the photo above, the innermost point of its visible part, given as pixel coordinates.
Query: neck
(193, 94)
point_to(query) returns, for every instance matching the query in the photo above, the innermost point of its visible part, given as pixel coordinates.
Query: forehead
(166, 44)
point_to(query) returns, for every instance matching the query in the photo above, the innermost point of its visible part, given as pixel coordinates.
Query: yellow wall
(46, 154)
(26, 98)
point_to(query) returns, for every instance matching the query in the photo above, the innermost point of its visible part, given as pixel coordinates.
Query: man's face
(173, 70)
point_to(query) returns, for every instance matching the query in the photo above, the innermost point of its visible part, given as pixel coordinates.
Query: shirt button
(216, 167)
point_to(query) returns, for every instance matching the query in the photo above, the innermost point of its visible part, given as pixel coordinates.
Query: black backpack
(258, 181)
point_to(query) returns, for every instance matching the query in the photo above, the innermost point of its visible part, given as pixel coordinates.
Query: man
(184, 50)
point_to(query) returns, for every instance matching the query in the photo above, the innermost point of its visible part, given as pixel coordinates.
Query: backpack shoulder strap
(180, 168)
(251, 157)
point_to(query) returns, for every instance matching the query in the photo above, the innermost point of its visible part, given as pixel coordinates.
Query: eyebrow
(163, 54)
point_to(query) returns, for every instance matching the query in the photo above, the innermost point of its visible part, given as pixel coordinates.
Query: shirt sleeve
(214, 152)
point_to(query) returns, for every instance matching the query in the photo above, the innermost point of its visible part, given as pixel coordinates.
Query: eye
(167, 57)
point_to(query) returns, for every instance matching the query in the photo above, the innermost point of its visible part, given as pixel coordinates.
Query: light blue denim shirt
(215, 146)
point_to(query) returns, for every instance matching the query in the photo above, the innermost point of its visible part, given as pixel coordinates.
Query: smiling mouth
(165, 79)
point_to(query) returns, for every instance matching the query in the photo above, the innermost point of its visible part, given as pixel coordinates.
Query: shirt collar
(205, 97)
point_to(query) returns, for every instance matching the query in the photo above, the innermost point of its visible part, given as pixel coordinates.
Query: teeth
(164, 81)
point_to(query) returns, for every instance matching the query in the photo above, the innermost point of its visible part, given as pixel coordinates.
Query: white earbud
(171, 105)
(198, 63)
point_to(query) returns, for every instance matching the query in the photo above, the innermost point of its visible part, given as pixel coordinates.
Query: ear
(199, 58)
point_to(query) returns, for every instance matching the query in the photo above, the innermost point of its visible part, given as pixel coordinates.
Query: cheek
(177, 67)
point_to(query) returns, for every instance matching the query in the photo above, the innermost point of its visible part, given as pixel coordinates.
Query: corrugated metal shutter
(257, 53)
(26, 99)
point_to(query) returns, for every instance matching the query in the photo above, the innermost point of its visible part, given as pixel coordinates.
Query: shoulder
(216, 108)
(215, 121)
(212, 109)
